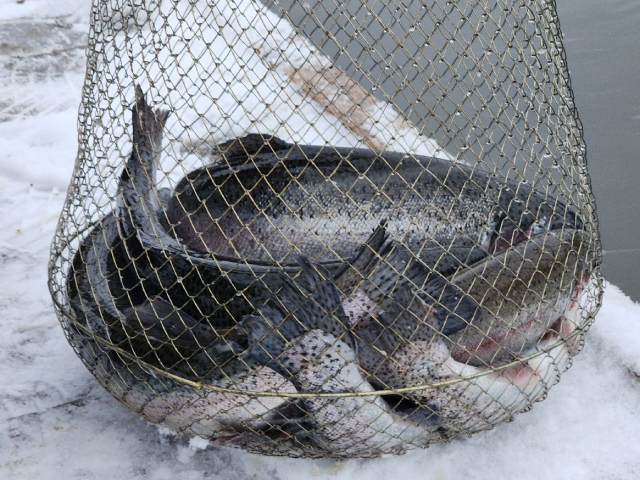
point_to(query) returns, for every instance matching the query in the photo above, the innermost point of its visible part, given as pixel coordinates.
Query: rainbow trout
(270, 201)
(325, 336)
(492, 311)
(416, 356)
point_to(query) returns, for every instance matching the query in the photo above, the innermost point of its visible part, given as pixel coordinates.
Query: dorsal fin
(252, 144)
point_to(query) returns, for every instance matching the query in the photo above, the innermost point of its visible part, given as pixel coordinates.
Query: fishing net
(327, 228)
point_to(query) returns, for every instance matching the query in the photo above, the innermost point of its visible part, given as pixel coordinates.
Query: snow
(57, 422)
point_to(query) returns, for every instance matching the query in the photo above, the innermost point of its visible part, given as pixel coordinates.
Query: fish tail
(147, 127)
(271, 333)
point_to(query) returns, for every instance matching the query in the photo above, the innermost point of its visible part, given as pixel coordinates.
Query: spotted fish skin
(410, 352)
(350, 425)
(287, 339)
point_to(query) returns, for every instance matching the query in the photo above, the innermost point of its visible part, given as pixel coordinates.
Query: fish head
(522, 291)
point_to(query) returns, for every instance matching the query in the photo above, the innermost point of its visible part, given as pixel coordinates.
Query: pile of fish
(298, 299)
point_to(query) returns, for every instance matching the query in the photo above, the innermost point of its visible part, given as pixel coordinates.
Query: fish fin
(147, 125)
(397, 269)
(292, 312)
(354, 273)
(238, 149)
(315, 275)
(310, 309)
(322, 308)
(409, 318)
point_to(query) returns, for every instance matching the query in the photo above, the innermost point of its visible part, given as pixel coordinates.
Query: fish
(302, 334)
(164, 322)
(490, 312)
(468, 399)
(445, 213)
(202, 286)
(128, 361)
(270, 201)
(398, 340)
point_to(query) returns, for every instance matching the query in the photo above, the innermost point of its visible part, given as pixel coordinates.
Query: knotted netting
(327, 228)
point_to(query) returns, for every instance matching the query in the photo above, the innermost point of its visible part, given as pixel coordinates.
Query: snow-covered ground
(57, 422)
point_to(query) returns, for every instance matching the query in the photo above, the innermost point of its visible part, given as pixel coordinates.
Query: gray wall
(602, 39)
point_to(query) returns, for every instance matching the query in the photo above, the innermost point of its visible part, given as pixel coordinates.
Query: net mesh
(327, 228)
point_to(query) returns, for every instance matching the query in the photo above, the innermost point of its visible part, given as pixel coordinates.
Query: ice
(57, 422)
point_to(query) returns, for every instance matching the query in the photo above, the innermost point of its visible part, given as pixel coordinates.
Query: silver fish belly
(486, 398)
(350, 424)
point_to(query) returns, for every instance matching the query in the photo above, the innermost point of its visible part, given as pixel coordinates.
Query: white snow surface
(57, 422)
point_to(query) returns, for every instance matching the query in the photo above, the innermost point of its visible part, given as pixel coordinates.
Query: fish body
(490, 312)
(475, 399)
(404, 346)
(236, 226)
(271, 201)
